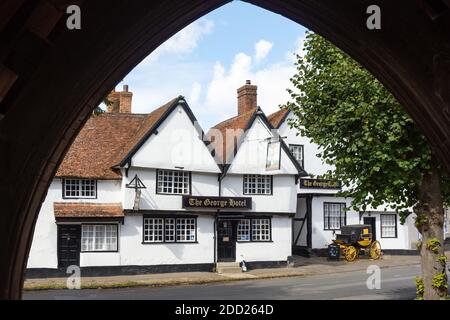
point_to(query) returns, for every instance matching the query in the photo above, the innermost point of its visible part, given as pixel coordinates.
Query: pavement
(396, 283)
(301, 267)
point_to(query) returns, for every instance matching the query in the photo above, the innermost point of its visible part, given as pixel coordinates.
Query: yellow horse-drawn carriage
(356, 239)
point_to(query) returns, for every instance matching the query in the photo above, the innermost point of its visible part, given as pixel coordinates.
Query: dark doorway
(371, 221)
(69, 242)
(226, 243)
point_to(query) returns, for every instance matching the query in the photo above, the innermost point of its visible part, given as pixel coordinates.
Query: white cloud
(262, 49)
(272, 80)
(183, 42)
(196, 91)
(299, 49)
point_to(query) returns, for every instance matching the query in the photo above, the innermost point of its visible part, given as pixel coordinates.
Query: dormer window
(79, 189)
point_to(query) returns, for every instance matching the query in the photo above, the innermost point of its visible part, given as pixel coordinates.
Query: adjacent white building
(141, 193)
(320, 213)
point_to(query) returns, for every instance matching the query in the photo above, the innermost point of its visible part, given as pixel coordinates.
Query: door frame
(233, 240)
(58, 243)
(374, 226)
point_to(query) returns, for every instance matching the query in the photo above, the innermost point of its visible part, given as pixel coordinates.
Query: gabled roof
(238, 125)
(243, 123)
(278, 117)
(92, 154)
(156, 118)
(110, 139)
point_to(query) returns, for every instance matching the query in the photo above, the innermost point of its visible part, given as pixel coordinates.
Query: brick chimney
(246, 97)
(120, 101)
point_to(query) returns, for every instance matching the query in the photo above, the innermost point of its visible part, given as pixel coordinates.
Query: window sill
(165, 243)
(100, 251)
(255, 241)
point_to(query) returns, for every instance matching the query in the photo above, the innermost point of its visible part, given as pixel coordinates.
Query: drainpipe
(219, 178)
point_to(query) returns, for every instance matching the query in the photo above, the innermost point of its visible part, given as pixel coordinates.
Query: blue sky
(208, 60)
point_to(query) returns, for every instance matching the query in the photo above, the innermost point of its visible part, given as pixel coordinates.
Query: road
(396, 283)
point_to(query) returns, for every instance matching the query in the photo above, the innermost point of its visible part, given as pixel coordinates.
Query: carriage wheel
(350, 253)
(375, 250)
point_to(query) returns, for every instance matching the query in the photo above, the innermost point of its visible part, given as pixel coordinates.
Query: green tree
(378, 153)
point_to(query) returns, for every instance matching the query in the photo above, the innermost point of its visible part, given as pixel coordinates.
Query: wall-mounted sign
(273, 159)
(190, 202)
(319, 184)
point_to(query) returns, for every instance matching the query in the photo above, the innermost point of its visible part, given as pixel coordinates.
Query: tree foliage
(378, 153)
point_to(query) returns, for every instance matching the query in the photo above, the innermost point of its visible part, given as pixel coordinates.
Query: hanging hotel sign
(273, 159)
(191, 202)
(319, 184)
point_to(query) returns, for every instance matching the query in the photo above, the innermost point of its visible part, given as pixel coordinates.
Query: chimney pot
(120, 101)
(247, 95)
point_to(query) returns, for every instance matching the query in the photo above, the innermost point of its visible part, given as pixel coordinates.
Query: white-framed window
(153, 230)
(186, 231)
(99, 237)
(257, 184)
(243, 230)
(173, 182)
(334, 215)
(261, 229)
(388, 225)
(80, 188)
(297, 152)
(169, 229)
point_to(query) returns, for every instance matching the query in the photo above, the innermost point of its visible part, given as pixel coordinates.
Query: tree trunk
(430, 221)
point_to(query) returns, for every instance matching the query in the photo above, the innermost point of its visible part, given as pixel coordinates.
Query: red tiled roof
(231, 131)
(277, 118)
(87, 210)
(104, 141)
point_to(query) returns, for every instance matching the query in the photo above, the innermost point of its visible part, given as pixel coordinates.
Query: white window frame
(92, 235)
(244, 230)
(78, 186)
(342, 219)
(388, 221)
(299, 156)
(256, 184)
(153, 230)
(169, 229)
(173, 182)
(261, 229)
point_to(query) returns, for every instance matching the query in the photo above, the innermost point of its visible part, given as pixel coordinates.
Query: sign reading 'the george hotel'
(319, 184)
(217, 202)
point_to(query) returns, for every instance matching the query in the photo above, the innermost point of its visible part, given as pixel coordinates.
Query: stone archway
(51, 78)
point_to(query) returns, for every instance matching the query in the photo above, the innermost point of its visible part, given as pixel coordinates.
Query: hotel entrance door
(226, 242)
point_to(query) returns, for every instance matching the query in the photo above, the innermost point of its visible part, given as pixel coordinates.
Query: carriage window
(388, 225)
(335, 215)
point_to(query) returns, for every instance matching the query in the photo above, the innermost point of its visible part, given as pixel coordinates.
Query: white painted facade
(406, 234)
(176, 146)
